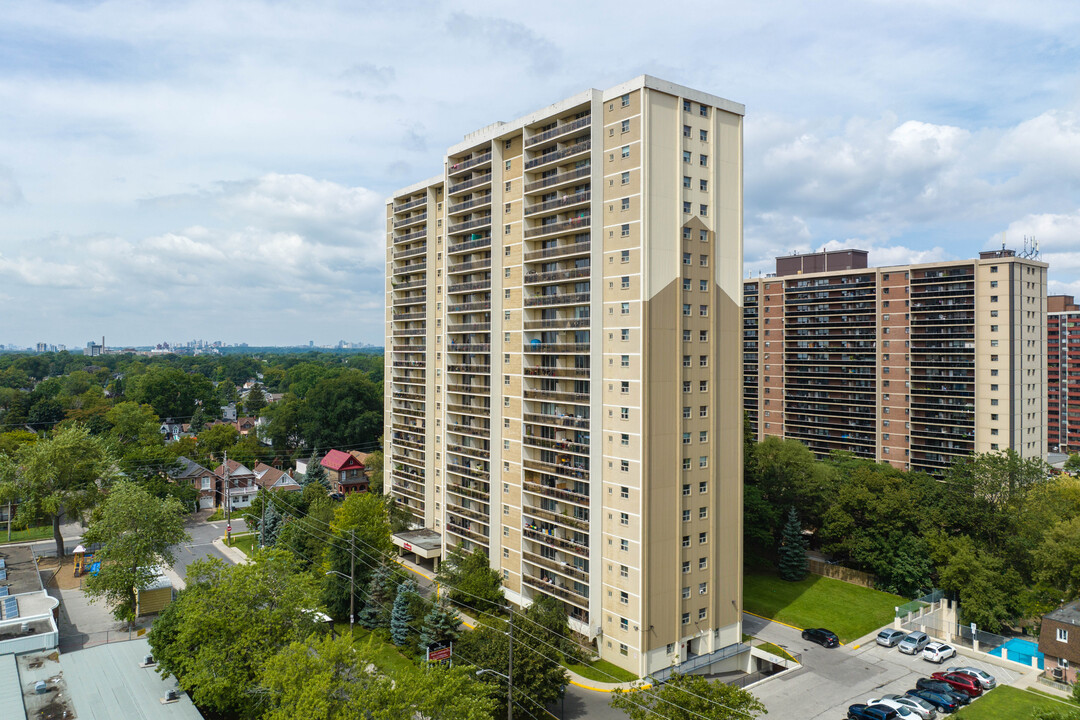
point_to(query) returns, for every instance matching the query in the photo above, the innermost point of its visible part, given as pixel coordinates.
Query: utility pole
(228, 502)
(262, 522)
(352, 580)
(9, 521)
(510, 673)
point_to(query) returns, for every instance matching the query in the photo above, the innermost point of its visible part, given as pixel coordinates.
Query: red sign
(440, 654)
(408, 546)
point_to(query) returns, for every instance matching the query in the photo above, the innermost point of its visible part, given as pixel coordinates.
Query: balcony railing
(581, 423)
(472, 162)
(551, 588)
(564, 201)
(416, 202)
(575, 472)
(559, 299)
(570, 372)
(411, 220)
(473, 265)
(541, 347)
(469, 409)
(470, 204)
(557, 155)
(470, 286)
(398, 239)
(571, 248)
(555, 493)
(461, 187)
(532, 277)
(410, 252)
(560, 227)
(560, 567)
(558, 323)
(469, 306)
(469, 245)
(469, 225)
(469, 327)
(555, 541)
(559, 131)
(467, 491)
(547, 182)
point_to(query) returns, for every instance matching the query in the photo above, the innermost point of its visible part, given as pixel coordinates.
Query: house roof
(189, 469)
(1068, 614)
(269, 476)
(235, 469)
(361, 457)
(337, 460)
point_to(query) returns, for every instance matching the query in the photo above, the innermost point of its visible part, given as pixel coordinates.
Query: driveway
(832, 679)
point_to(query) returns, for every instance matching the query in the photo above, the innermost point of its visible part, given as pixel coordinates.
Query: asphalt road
(201, 543)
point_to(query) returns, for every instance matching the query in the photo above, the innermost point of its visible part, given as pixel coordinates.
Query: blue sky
(181, 170)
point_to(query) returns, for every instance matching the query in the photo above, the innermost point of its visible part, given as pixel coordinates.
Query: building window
(624, 439)
(686, 131)
(702, 613)
(686, 463)
(993, 298)
(686, 336)
(686, 489)
(703, 260)
(703, 588)
(703, 436)
(704, 210)
(624, 361)
(625, 204)
(686, 413)
(702, 563)
(703, 538)
(625, 178)
(624, 493)
(686, 309)
(686, 284)
(703, 360)
(704, 161)
(703, 310)
(686, 593)
(687, 156)
(703, 487)
(624, 465)
(686, 618)
(626, 99)
(686, 567)
(624, 256)
(703, 285)
(625, 282)
(1062, 635)
(703, 135)
(703, 461)
(686, 515)
(624, 519)
(624, 413)
(686, 105)
(687, 258)
(624, 309)
(624, 572)
(626, 126)
(703, 111)
(702, 513)
(687, 207)
(686, 386)
(703, 336)
(686, 361)
(625, 334)
(624, 625)
(704, 235)
(624, 545)
(686, 438)
(686, 541)
(703, 386)
(624, 231)
(686, 178)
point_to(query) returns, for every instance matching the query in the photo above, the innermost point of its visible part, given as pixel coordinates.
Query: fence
(839, 572)
(78, 641)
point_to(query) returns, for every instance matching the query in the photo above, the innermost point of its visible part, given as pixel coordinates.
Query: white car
(920, 707)
(902, 711)
(988, 681)
(938, 652)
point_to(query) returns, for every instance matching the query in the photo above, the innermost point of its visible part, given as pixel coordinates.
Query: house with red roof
(345, 472)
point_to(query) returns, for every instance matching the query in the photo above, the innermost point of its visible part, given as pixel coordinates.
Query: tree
(1072, 463)
(255, 401)
(373, 465)
(546, 618)
(136, 531)
(228, 623)
(60, 477)
(47, 411)
(472, 582)
(269, 525)
(172, 392)
(198, 419)
(1058, 557)
(793, 563)
(400, 617)
(315, 473)
(216, 439)
(537, 675)
(331, 679)
(134, 424)
(688, 697)
(345, 410)
(360, 528)
(380, 589)
(441, 625)
(990, 592)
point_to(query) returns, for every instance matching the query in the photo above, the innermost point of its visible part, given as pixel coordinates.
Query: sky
(176, 170)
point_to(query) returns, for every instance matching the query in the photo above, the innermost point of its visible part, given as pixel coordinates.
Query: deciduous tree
(135, 531)
(471, 580)
(688, 697)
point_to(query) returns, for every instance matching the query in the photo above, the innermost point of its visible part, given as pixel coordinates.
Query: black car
(942, 688)
(871, 712)
(944, 703)
(823, 637)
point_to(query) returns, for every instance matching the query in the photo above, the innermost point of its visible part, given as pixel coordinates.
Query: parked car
(913, 643)
(960, 681)
(823, 637)
(890, 637)
(944, 703)
(902, 710)
(943, 688)
(938, 652)
(859, 711)
(920, 707)
(988, 681)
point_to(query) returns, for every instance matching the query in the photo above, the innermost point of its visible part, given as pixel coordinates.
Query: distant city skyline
(198, 169)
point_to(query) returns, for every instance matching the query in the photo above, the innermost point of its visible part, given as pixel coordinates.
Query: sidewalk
(234, 555)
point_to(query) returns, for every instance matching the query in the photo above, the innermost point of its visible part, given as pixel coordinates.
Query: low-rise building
(270, 478)
(1059, 641)
(240, 484)
(205, 482)
(345, 472)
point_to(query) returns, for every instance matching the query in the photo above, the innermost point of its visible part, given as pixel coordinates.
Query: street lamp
(509, 691)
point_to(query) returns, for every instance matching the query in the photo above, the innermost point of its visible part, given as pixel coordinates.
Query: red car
(964, 683)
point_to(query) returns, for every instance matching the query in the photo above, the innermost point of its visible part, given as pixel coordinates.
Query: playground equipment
(83, 560)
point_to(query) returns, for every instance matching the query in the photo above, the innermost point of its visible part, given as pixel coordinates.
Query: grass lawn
(383, 653)
(850, 611)
(775, 650)
(41, 532)
(244, 542)
(1009, 703)
(602, 671)
(218, 514)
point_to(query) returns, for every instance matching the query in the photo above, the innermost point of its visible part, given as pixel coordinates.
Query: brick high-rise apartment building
(1063, 367)
(563, 304)
(914, 365)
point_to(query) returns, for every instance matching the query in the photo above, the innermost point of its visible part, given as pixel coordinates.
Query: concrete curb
(236, 557)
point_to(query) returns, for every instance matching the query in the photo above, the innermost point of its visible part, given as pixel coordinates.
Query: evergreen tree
(198, 420)
(255, 401)
(316, 473)
(440, 626)
(270, 525)
(374, 613)
(793, 563)
(400, 616)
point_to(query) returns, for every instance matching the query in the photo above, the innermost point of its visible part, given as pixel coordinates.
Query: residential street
(201, 543)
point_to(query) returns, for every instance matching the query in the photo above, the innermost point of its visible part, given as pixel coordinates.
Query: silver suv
(913, 643)
(890, 637)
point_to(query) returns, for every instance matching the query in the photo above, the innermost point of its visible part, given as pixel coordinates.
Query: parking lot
(832, 679)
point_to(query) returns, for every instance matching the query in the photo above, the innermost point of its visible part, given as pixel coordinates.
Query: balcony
(468, 512)
(575, 471)
(410, 252)
(408, 331)
(558, 299)
(469, 327)
(557, 445)
(456, 347)
(559, 590)
(478, 410)
(559, 227)
(469, 369)
(566, 249)
(552, 540)
(559, 567)
(467, 491)
(567, 372)
(416, 202)
(468, 184)
(470, 286)
(469, 245)
(466, 267)
(398, 239)
(559, 203)
(558, 323)
(545, 348)
(558, 155)
(469, 225)
(479, 453)
(555, 493)
(581, 423)
(411, 220)
(408, 491)
(408, 285)
(462, 166)
(556, 396)
(469, 306)
(559, 131)
(466, 533)
(532, 277)
(559, 179)
(476, 202)
(416, 299)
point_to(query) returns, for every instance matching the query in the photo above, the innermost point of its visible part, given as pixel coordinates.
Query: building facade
(914, 365)
(1063, 368)
(563, 308)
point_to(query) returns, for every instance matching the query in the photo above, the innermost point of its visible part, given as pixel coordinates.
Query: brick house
(345, 472)
(1059, 641)
(243, 486)
(203, 480)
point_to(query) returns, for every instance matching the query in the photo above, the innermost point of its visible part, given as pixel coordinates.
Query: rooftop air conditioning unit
(171, 695)
(148, 660)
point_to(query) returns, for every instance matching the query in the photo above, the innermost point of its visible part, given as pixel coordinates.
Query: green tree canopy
(688, 697)
(229, 622)
(361, 528)
(473, 583)
(59, 477)
(793, 564)
(135, 530)
(172, 392)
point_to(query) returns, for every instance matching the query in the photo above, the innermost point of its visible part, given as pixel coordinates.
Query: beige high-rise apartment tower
(563, 313)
